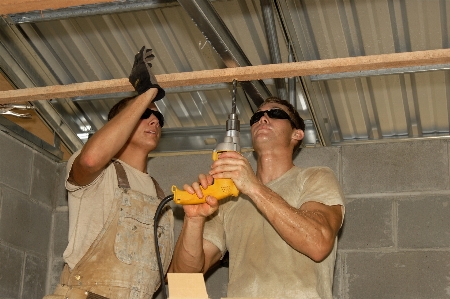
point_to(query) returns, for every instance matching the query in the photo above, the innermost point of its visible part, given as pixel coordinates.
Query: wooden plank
(21, 6)
(282, 70)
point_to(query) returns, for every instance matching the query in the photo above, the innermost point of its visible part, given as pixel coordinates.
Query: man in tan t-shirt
(113, 199)
(281, 231)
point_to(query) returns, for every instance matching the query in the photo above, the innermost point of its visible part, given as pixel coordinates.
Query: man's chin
(262, 139)
(151, 145)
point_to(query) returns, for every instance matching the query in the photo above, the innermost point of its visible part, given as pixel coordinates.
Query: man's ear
(298, 134)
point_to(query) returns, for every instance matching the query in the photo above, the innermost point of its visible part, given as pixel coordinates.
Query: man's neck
(272, 164)
(135, 159)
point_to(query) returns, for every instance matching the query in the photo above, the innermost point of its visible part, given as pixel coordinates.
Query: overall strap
(121, 176)
(159, 191)
(123, 180)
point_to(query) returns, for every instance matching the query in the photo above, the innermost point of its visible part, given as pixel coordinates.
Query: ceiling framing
(357, 71)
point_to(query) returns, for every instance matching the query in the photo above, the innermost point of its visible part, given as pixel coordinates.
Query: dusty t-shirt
(89, 206)
(262, 264)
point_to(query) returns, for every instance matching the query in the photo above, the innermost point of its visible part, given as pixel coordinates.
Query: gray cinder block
(322, 156)
(34, 277)
(337, 277)
(60, 233)
(44, 180)
(10, 267)
(55, 273)
(24, 223)
(418, 275)
(424, 222)
(15, 164)
(61, 192)
(395, 167)
(368, 223)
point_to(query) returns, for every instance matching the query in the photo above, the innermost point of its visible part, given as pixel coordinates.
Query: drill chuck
(231, 141)
(233, 123)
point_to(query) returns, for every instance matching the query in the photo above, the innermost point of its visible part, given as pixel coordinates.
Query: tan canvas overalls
(121, 263)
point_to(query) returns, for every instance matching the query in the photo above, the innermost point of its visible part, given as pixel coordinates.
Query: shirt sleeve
(321, 185)
(74, 188)
(214, 230)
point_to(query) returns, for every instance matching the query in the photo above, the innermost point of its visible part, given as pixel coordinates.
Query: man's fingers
(188, 188)
(198, 190)
(205, 180)
(212, 201)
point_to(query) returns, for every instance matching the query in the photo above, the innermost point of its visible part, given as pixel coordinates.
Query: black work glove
(141, 76)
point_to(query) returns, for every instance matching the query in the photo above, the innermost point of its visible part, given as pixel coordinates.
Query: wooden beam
(282, 70)
(21, 6)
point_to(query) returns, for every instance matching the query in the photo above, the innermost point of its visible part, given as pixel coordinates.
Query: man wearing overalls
(112, 202)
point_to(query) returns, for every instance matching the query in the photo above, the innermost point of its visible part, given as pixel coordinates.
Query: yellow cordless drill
(220, 188)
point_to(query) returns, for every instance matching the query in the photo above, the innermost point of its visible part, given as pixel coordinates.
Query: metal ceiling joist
(314, 131)
(272, 41)
(282, 70)
(90, 10)
(381, 72)
(213, 28)
(296, 47)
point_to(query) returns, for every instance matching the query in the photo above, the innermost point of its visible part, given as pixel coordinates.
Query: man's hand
(204, 209)
(234, 166)
(141, 76)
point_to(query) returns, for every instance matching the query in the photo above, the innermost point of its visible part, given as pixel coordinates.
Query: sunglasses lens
(160, 118)
(272, 113)
(148, 112)
(278, 114)
(256, 117)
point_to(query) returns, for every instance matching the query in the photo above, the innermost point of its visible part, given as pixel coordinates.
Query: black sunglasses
(148, 112)
(272, 113)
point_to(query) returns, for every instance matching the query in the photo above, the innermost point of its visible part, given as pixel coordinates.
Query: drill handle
(220, 189)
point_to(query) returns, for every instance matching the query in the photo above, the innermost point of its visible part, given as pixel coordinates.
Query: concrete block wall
(395, 241)
(29, 186)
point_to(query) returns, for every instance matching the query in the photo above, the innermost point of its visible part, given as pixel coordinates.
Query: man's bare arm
(311, 229)
(108, 141)
(192, 253)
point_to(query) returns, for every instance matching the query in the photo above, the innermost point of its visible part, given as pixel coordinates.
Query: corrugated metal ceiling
(80, 45)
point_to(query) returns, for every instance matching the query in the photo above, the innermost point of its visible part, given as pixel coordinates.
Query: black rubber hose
(165, 201)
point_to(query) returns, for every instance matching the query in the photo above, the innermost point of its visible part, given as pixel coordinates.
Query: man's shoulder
(106, 177)
(323, 174)
(314, 170)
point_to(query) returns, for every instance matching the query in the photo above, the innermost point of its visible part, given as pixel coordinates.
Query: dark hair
(293, 113)
(119, 106)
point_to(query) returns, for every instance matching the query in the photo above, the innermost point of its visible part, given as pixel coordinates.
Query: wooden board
(282, 70)
(21, 6)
